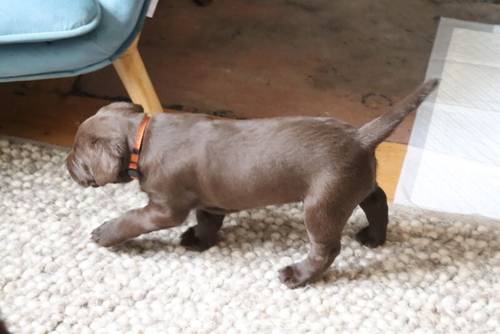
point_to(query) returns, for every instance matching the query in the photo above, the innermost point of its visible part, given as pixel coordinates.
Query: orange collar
(133, 165)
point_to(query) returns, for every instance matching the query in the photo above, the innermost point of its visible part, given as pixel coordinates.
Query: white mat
(453, 159)
(434, 275)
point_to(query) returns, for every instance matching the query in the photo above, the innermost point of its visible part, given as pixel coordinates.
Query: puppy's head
(100, 153)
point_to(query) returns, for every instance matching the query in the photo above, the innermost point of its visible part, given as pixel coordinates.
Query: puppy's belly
(227, 202)
(249, 183)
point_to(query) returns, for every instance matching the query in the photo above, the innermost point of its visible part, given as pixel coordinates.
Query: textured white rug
(436, 274)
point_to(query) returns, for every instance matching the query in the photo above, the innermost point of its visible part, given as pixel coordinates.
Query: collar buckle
(133, 173)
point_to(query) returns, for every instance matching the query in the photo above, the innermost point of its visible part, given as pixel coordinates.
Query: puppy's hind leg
(203, 235)
(376, 211)
(325, 220)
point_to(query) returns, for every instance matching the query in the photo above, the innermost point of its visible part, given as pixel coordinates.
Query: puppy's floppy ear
(109, 158)
(121, 107)
(138, 108)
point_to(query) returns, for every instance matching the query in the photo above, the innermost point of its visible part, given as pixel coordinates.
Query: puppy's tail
(373, 133)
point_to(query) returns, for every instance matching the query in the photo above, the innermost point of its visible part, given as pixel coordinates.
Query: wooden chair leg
(135, 78)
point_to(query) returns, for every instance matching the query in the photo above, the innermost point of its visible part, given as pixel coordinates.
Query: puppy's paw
(293, 277)
(103, 235)
(369, 239)
(195, 243)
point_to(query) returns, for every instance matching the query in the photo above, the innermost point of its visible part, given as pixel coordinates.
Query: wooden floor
(343, 58)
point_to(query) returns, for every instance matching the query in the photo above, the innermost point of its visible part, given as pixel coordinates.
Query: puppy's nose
(89, 183)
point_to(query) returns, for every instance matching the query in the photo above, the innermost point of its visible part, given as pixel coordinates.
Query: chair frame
(136, 80)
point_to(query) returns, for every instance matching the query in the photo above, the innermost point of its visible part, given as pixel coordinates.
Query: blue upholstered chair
(42, 39)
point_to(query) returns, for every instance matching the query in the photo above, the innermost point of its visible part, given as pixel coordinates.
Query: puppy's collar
(133, 165)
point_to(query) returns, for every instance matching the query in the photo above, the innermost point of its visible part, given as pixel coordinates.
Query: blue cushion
(121, 20)
(46, 20)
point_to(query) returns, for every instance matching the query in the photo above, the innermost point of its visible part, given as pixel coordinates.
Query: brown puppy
(219, 166)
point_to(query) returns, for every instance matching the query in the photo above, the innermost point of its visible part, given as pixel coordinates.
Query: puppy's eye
(94, 140)
(86, 169)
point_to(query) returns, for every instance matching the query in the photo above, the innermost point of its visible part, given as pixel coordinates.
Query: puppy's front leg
(203, 235)
(136, 222)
